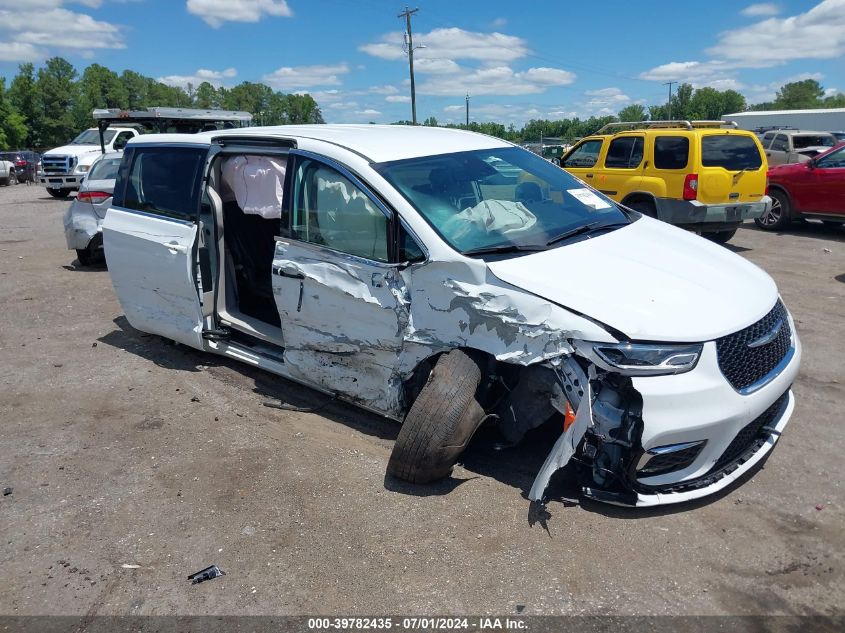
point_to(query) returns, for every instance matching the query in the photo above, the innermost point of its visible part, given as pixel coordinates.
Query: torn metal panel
(81, 226)
(344, 321)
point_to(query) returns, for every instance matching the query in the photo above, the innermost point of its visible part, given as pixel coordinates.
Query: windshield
(815, 140)
(733, 152)
(105, 169)
(92, 137)
(499, 198)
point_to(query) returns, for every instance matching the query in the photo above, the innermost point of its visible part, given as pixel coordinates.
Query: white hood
(650, 280)
(73, 150)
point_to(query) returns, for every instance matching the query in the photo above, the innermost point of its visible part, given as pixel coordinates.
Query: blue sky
(517, 60)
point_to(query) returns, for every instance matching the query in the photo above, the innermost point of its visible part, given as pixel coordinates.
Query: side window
(164, 181)
(832, 160)
(330, 210)
(409, 250)
(767, 139)
(671, 152)
(584, 155)
(780, 144)
(122, 139)
(625, 152)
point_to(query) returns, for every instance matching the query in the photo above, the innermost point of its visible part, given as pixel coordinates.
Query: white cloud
(215, 77)
(368, 112)
(397, 99)
(606, 98)
(216, 12)
(290, 77)
(451, 44)
(436, 66)
(343, 105)
(383, 90)
(767, 92)
(500, 80)
(763, 9)
(499, 23)
(41, 27)
(19, 52)
(688, 71)
(817, 34)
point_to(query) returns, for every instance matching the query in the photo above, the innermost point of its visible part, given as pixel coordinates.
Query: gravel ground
(133, 463)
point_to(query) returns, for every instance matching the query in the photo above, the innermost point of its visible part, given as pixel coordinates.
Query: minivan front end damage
(644, 440)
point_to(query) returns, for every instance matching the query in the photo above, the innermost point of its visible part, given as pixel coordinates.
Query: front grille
(743, 365)
(56, 164)
(668, 462)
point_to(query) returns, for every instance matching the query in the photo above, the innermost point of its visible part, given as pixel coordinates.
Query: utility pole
(669, 83)
(467, 110)
(407, 13)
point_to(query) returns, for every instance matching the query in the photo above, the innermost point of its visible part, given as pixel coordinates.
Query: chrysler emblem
(769, 336)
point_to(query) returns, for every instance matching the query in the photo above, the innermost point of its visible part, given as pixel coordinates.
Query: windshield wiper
(504, 248)
(590, 227)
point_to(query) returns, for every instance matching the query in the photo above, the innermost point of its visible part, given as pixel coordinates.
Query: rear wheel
(778, 215)
(13, 178)
(441, 421)
(59, 193)
(721, 237)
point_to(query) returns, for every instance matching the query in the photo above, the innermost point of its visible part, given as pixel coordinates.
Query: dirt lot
(124, 450)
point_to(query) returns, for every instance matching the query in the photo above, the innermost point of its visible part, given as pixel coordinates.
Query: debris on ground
(206, 574)
(7, 491)
(128, 566)
(821, 506)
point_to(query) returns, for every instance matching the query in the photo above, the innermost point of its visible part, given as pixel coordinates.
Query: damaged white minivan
(444, 278)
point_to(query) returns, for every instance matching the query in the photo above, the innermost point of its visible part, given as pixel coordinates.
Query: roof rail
(687, 125)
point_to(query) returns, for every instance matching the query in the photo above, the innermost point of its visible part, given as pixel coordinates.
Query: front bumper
(695, 214)
(60, 181)
(696, 407)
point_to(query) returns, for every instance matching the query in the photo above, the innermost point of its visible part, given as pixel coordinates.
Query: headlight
(642, 359)
(82, 168)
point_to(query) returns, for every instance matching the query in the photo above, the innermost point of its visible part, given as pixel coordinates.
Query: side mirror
(811, 164)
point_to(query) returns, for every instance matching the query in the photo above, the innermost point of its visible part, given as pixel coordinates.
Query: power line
(407, 13)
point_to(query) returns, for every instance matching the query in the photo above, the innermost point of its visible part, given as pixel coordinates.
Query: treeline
(687, 104)
(50, 106)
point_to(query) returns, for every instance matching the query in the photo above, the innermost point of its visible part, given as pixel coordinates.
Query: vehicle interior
(244, 202)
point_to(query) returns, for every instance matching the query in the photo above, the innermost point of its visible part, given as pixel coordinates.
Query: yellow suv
(695, 174)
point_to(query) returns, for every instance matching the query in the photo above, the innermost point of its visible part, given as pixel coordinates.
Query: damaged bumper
(647, 441)
(81, 226)
(690, 213)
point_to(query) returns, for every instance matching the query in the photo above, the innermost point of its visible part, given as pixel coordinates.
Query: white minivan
(443, 279)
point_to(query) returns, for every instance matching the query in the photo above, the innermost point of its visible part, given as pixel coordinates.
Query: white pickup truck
(63, 168)
(7, 173)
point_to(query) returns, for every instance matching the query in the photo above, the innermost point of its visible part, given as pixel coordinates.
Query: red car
(815, 189)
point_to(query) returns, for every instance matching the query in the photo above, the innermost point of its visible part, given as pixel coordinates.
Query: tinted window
(834, 159)
(731, 151)
(780, 144)
(104, 169)
(625, 152)
(92, 137)
(330, 210)
(819, 140)
(164, 181)
(671, 152)
(585, 155)
(464, 197)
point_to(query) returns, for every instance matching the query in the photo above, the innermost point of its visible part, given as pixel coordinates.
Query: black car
(25, 164)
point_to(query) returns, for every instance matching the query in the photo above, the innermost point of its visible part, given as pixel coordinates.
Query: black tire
(13, 178)
(721, 237)
(779, 215)
(58, 193)
(85, 256)
(831, 223)
(441, 421)
(646, 207)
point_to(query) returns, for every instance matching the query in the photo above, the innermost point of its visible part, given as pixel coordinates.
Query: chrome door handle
(176, 247)
(589, 175)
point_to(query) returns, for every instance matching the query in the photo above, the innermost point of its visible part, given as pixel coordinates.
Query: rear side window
(780, 144)
(625, 152)
(731, 151)
(671, 152)
(163, 181)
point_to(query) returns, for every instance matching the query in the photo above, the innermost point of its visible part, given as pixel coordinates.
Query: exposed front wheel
(440, 423)
(778, 215)
(59, 193)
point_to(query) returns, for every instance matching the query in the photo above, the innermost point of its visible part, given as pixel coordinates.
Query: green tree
(206, 96)
(13, 129)
(57, 86)
(135, 86)
(24, 97)
(633, 112)
(798, 95)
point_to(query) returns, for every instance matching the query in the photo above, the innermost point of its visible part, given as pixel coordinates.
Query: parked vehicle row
(24, 164)
(441, 278)
(783, 147)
